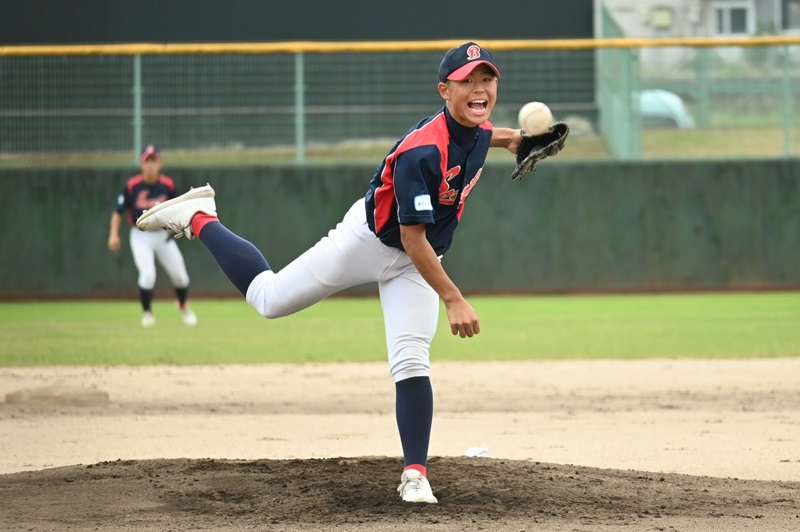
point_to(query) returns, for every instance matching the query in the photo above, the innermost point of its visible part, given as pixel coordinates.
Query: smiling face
(471, 100)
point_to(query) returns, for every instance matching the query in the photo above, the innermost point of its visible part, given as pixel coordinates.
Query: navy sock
(238, 259)
(182, 294)
(146, 297)
(414, 410)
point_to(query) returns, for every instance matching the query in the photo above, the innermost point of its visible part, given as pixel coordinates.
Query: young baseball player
(395, 235)
(141, 192)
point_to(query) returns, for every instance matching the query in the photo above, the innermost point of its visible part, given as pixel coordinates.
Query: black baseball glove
(534, 148)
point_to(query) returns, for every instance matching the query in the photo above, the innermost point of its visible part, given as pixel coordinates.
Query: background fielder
(395, 235)
(141, 192)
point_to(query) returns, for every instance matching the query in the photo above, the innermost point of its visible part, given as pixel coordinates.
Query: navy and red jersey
(137, 196)
(426, 178)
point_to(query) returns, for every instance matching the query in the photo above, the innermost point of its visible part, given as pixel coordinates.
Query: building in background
(706, 18)
(670, 76)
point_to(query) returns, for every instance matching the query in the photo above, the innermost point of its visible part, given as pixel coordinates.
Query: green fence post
(299, 108)
(787, 104)
(618, 87)
(634, 122)
(702, 93)
(137, 107)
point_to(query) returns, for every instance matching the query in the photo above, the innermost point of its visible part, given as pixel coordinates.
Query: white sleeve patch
(423, 203)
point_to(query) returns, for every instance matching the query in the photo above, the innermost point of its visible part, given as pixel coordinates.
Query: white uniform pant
(147, 246)
(352, 255)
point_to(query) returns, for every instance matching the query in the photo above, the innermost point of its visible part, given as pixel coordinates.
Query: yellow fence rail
(299, 47)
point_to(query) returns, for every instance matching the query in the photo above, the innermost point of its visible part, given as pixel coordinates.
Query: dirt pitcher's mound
(359, 494)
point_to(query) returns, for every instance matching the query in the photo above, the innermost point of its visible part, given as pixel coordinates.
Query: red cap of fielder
(150, 152)
(460, 61)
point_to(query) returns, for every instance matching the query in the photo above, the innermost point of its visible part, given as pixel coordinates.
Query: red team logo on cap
(473, 52)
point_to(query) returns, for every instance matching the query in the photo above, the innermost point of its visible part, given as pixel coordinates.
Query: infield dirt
(671, 445)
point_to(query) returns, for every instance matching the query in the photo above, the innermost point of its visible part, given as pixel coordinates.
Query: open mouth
(478, 105)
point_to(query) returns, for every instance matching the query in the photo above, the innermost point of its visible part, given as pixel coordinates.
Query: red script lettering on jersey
(467, 190)
(145, 202)
(447, 195)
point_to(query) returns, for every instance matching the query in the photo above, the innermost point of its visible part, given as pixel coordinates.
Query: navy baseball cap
(150, 152)
(460, 61)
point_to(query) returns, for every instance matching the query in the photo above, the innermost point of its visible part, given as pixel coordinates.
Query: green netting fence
(301, 102)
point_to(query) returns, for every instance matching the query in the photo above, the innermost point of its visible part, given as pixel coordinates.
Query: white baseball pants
(147, 246)
(352, 255)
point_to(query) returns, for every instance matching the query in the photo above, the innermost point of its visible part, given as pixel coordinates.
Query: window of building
(734, 17)
(791, 14)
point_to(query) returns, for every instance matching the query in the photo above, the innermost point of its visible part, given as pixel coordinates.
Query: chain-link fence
(310, 102)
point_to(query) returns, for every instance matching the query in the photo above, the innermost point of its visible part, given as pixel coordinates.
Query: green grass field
(657, 144)
(351, 330)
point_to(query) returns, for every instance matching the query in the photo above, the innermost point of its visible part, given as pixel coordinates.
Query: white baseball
(535, 118)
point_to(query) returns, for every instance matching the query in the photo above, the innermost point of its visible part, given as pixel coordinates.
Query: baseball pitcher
(395, 235)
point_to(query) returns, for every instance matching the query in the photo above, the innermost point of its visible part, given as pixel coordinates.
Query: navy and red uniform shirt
(426, 178)
(137, 196)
